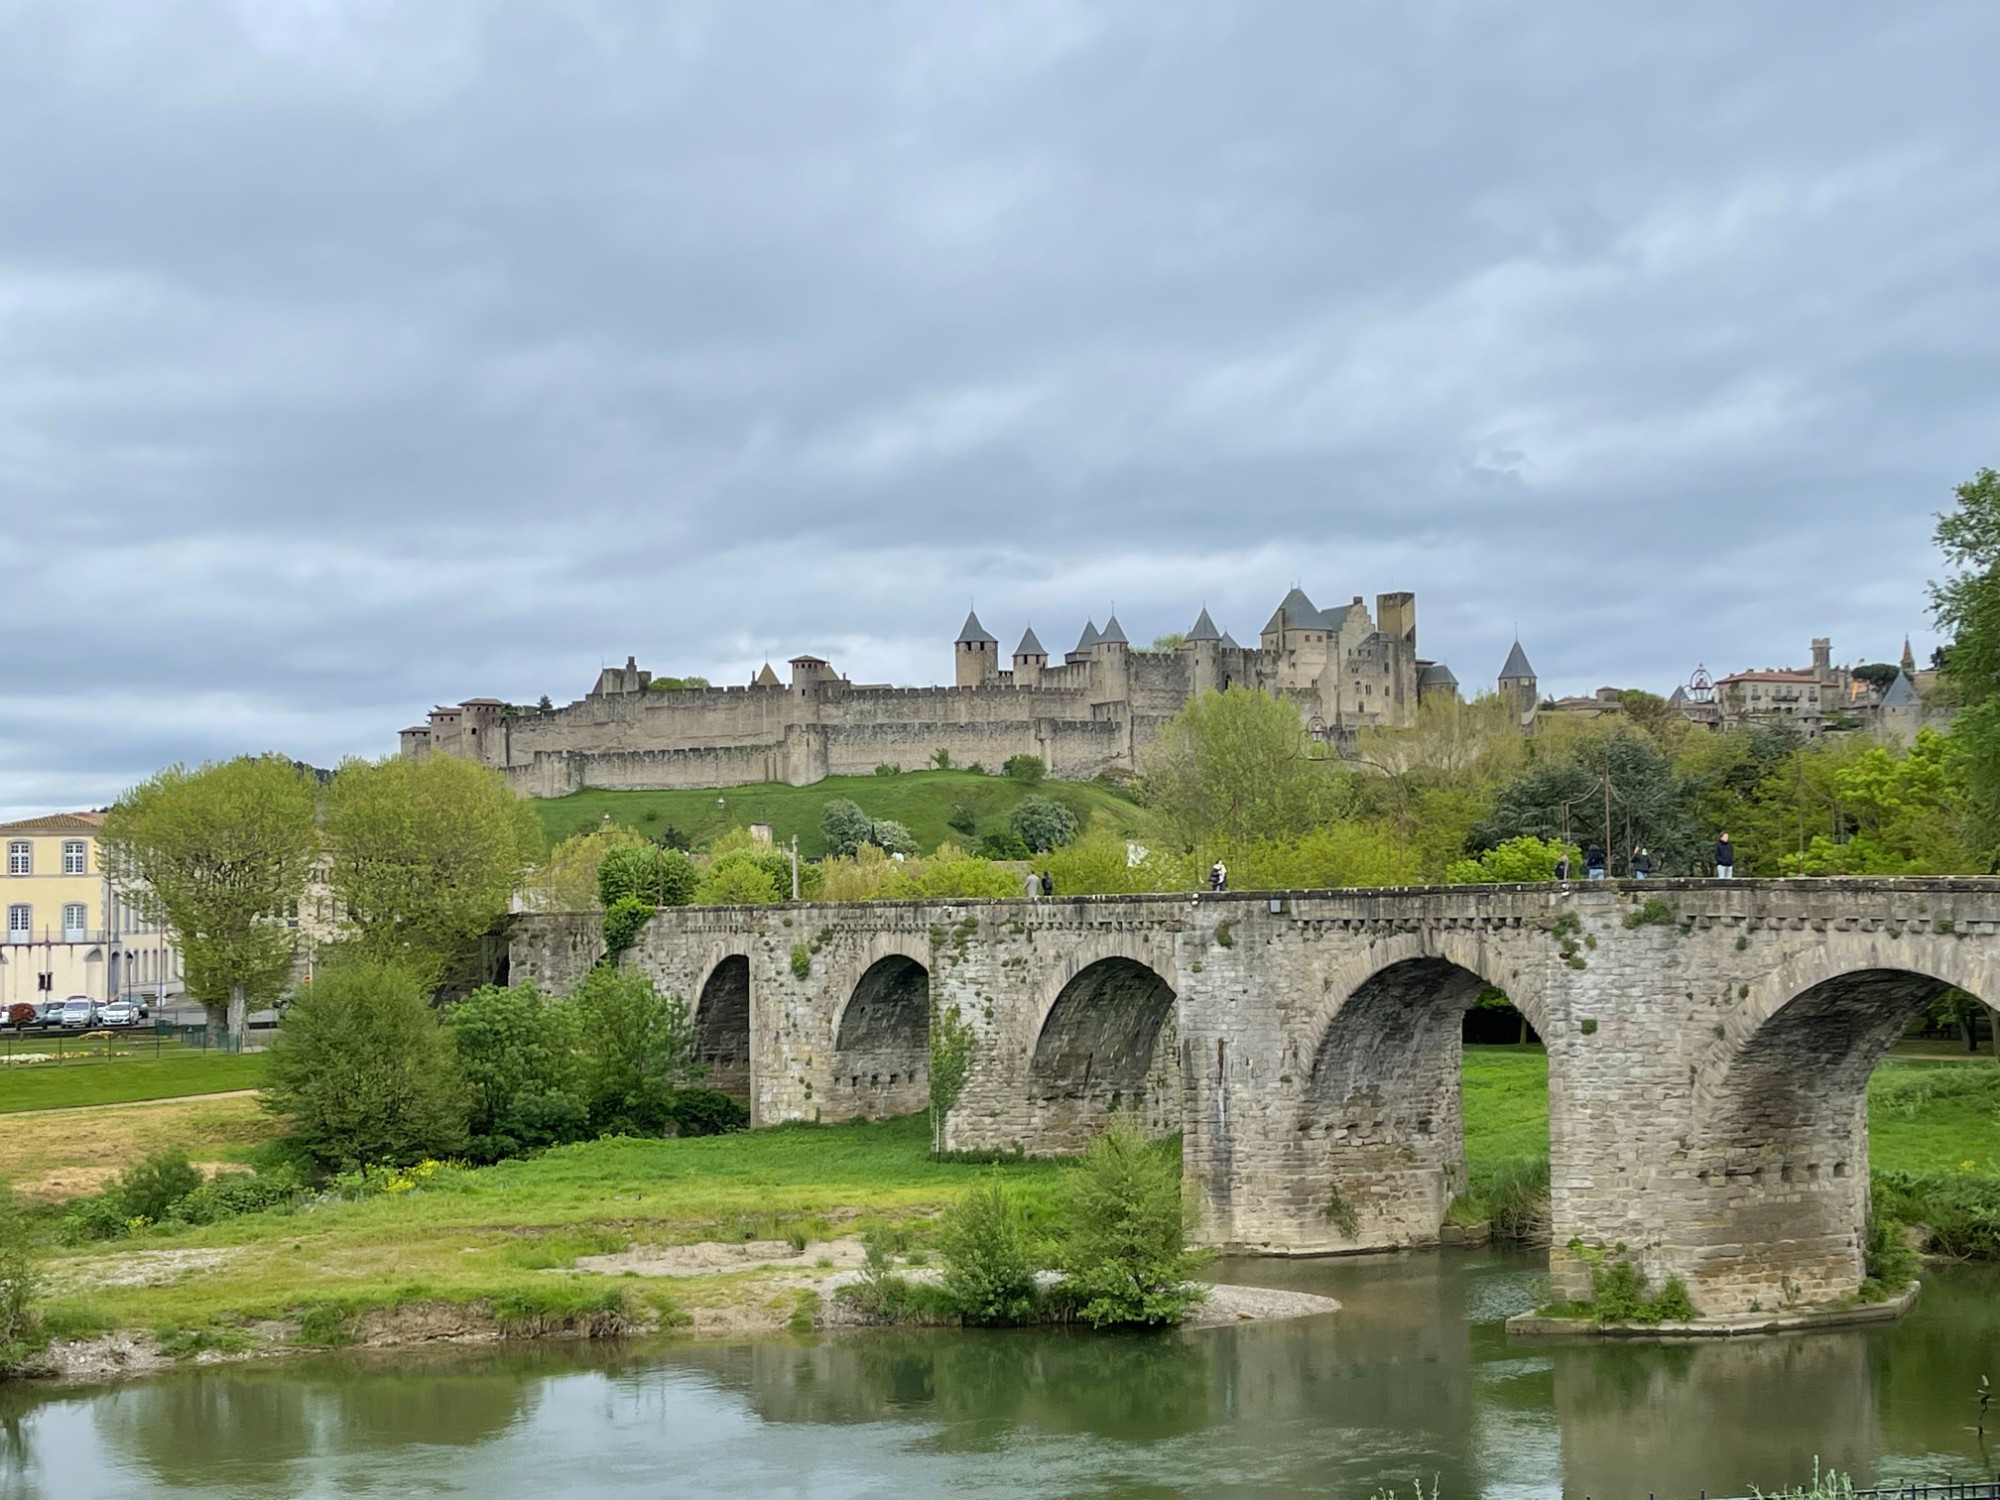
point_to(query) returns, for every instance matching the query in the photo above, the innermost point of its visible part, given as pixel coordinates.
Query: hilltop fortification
(1093, 709)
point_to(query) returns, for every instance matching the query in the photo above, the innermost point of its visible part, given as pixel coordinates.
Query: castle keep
(1094, 708)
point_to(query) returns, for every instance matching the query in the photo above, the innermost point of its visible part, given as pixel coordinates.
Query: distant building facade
(68, 932)
(1091, 709)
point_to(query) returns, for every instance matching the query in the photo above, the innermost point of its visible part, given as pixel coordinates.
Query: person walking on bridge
(1642, 863)
(1725, 858)
(1593, 863)
(1032, 886)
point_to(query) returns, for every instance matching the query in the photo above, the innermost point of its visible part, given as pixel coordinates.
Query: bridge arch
(1378, 1141)
(1782, 1159)
(882, 1038)
(722, 1024)
(1107, 1040)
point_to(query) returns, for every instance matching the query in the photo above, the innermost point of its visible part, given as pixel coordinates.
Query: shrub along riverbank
(325, 1259)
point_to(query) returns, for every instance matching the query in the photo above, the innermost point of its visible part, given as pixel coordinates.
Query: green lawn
(86, 1079)
(923, 800)
(1922, 1116)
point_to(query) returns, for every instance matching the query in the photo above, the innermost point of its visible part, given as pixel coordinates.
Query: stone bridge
(1709, 1045)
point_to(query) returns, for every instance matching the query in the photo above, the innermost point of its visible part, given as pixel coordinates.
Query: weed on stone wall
(1654, 913)
(952, 1045)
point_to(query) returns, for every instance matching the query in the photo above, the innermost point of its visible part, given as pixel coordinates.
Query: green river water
(1413, 1378)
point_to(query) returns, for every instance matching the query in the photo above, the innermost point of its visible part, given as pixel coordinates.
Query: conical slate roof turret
(1296, 612)
(1228, 642)
(766, 678)
(1114, 634)
(1029, 645)
(1204, 629)
(1089, 637)
(1901, 693)
(975, 634)
(1517, 668)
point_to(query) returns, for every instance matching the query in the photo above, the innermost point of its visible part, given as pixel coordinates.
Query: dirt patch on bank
(108, 1356)
(142, 1268)
(714, 1257)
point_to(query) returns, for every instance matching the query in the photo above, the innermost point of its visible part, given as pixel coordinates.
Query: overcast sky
(357, 356)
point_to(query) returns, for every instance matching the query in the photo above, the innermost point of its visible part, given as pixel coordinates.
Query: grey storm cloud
(357, 355)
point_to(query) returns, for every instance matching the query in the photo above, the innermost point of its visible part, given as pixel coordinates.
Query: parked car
(79, 1013)
(119, 1012)
(49, 1012)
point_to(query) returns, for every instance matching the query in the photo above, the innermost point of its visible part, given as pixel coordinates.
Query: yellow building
(67, 932)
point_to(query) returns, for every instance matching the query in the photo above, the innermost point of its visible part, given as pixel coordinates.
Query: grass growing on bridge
(921, 800)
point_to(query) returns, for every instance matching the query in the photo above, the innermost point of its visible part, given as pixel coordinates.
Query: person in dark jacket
(1725, 858)
(1642, 863)
(1048, 884)
(1593, 863)
(1562, 865)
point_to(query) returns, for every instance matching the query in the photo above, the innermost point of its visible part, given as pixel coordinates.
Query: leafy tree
(1902, 812)
(1173, 640)
(1042, 823)
(941, 759)
(544, 704)
(363, 1072)
(648, 873)
(638, 1052)
(1332, 855)
(1123, 1250)
(949, 873)
(1514, 861)
(1028, 768)
(738, 879)
(1233, 767)
(989, 1268)
(1877, 674)
(517, 1050)
(1564, 797)
(845, 827)
(567, 879)
(217, 854)
(962, 819)
(1967, 605)
(891, 837)
(1003, 846)
(424, 855)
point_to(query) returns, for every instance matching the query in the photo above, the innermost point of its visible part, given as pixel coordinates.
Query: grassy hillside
(921, 799)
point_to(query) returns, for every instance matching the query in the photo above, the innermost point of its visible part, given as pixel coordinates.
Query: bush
(638, 1052)
(1042, 824)
(989, 1273)
(150, 1189)
(738, 879)
(20, 1283)
(962, 819)
(1618, 1295)
(647, 873)
(98, 1218)
(20, 1015)
(844, 826)
(364, 1072)
(228, 1194)
(517, 1050)
(1514, 861)
(699, 1111)
(1123, 1251)
(622, 920)
(1003, 846)
(1025, 768)
(1959, 1211)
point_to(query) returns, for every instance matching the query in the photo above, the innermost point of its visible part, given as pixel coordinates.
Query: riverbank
(571, 1241)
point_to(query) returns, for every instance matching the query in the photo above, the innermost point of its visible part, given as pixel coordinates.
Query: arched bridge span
(1708, 1045)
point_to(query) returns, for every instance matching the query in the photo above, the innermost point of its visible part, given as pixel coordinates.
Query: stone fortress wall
(1093, 709)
